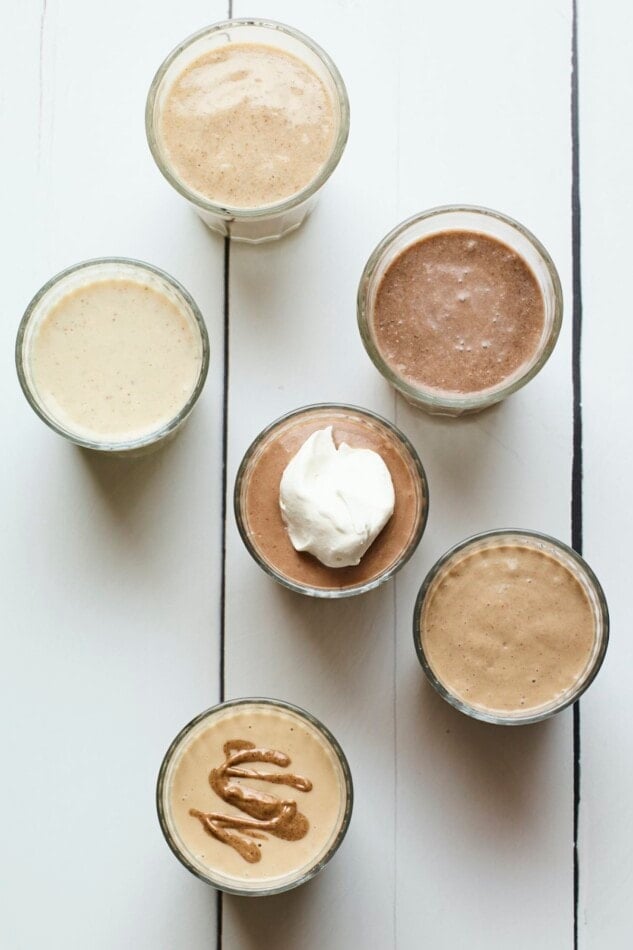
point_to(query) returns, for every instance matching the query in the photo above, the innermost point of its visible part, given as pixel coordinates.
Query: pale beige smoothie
(114, 359)
(509, 628)
(254, 797)
(247, 125)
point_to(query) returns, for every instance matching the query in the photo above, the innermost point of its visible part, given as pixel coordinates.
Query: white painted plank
(606, 158)
(294, 341)
(111, 574)
(484, 815)
(448, 104)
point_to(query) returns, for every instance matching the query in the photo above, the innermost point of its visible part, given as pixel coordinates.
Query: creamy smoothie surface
(458, 312)
(247, 125)
(263, 517)
(115, 359)
(507, 628)
(256, 794)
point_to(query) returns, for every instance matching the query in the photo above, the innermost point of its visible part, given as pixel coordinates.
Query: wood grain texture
(293, 341)
(462, 833)
(488, 811)
(469, 822)
(111, 570)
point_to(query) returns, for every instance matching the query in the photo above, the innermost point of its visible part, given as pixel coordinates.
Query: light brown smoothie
(458, 312)
(256, 794)
(262, 515)
(507, 628)
(247, 125)
(115, 360)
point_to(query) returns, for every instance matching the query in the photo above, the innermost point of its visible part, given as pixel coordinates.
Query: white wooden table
(130, 605)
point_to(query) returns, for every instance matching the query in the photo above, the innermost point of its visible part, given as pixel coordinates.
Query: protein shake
(247, 120)
(112, 354)
(254, 796)
(458, 308)
(384, 540)
(511, 626)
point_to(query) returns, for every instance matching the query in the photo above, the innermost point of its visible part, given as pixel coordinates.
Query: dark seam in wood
(577, 459)
(225, 429)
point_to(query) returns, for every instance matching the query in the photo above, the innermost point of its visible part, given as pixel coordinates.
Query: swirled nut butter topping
(247, 125)
(335, 501)
(256, 793)
(262, 812)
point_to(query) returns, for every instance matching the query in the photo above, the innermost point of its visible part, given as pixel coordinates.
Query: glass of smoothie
(254, 796)
(511, 626)
(112, 354)
(459, 307)
(248, 119)
(331, 500)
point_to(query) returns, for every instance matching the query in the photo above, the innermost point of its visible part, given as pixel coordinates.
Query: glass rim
(602, 635)
(327, 592)
(434, 398)
(226, 211)
(318, 866)
(122, 445)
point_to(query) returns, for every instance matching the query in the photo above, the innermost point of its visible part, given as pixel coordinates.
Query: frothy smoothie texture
(247, 120)
(458, 307)
(458, 312)
(511, 625)
(113, 353)
(247, 125)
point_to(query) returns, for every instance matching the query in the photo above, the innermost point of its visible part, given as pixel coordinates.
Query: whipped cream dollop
(335, 501)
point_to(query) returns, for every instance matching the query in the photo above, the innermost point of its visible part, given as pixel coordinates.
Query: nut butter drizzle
(263, 812)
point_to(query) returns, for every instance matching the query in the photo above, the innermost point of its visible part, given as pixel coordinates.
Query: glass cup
(249, 885)
(267, 222)
(579, 569)
(459, 218)
(338, 582)
(84, 274)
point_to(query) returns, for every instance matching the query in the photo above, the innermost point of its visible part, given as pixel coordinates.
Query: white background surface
(462, 833)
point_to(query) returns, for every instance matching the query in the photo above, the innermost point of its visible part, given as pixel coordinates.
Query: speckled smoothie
(114, 359)
(458, 312)
(254, 795)
(247, 125)
(508, 628)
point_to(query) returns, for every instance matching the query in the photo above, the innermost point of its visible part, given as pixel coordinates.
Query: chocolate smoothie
(458, 312)
(257, 498)
(508, 626)
(247, 125)
(254, 796)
